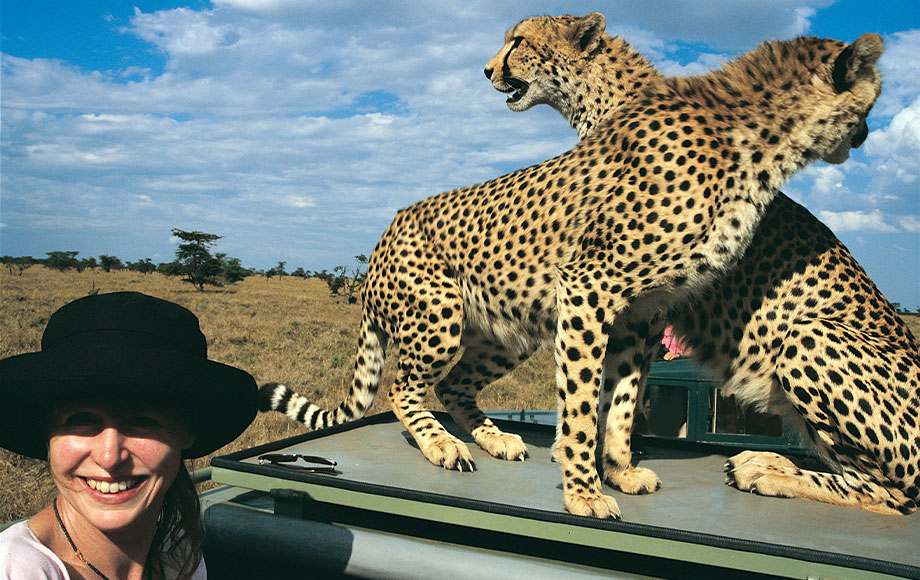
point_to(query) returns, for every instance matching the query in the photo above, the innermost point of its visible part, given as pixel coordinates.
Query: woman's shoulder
(24, 557)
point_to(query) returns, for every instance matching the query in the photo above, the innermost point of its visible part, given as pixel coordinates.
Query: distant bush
(342, 280)
(233, 269)
(18, 265)
(145, 266)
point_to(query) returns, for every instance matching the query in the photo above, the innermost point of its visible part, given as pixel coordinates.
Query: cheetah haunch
(468, 283)
(797, 328)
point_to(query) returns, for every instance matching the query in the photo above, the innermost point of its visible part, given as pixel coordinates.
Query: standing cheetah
(796, 328)
(644, 212)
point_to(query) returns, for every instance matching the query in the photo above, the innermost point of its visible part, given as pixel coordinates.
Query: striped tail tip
(271, 396)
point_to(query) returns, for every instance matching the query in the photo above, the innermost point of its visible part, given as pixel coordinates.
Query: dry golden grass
(288, 330)
(913, 322)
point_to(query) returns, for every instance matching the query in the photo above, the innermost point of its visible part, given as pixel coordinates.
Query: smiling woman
(120, 393)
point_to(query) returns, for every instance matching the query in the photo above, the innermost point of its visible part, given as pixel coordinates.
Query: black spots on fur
(842, 409)
(601, 315)
(571, 386)
(616, 345)
(593, 299)
(853, 430)
(802, 395)
(811, 373)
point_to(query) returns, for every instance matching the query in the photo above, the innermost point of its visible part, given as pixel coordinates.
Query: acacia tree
(144, 266)
(63, 261)
(109, 263)
(277, 271)
(198, 265)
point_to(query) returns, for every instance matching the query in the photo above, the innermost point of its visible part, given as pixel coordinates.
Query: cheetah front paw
(763, 473)
(450, 453)
(503, 446)
(634, 480)
(589, 504)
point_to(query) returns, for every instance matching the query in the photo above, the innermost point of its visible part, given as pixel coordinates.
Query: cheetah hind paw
(508, 446)
(595, 505)
(450, 453)
(634, 480)
(761, 472)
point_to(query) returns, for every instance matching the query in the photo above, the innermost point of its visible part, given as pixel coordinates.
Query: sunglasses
(286, 459)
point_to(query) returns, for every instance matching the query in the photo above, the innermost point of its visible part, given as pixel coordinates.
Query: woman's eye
(144, 422)
(81, 420)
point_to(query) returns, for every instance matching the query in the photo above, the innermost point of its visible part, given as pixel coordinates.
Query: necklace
(79, 554)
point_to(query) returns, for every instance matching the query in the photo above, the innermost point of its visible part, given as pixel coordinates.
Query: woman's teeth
(111, 486)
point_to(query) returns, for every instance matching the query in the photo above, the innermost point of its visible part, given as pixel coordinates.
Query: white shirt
(23, 557)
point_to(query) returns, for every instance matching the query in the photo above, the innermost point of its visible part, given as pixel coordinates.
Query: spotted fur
(645, 212)
(794, 271)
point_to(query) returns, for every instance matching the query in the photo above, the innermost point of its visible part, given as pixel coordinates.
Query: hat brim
(218, 400)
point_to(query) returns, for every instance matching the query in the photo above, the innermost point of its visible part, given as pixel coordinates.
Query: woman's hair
(179, 534)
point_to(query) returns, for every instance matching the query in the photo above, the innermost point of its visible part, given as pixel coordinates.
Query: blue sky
(296, 129)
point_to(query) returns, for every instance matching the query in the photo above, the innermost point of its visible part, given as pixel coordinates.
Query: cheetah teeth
(111, 486)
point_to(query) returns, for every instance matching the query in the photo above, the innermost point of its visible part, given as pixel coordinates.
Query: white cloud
(910, 223)
(183, 31)
(878, 189)
(897, 146)
(296, 128)
(702, 65)
(900, 70)
(722, 24)
(855, 221)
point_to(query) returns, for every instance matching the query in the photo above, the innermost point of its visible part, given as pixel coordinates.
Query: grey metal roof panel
(381, 469)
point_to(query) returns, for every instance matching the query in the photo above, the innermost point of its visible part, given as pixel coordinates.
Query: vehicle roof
(378, 459)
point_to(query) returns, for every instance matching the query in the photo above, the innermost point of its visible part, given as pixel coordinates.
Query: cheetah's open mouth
(517, 88)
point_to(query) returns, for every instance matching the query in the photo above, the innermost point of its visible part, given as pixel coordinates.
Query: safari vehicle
(382, 511)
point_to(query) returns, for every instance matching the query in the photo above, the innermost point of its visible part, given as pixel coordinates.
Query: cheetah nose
(488, 72)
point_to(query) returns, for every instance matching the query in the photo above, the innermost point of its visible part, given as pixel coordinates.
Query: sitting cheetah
(644, 212)
(796, 328)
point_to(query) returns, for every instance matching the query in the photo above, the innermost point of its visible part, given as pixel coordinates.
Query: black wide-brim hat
(124, 347)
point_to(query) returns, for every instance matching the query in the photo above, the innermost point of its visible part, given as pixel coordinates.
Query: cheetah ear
(587, 31)
(857, 60)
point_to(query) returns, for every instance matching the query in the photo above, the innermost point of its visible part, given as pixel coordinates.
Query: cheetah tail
(368, 367)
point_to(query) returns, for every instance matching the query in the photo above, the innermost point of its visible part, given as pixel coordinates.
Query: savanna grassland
(289, 330)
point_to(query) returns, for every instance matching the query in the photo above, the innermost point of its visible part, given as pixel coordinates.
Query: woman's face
(113, 465)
